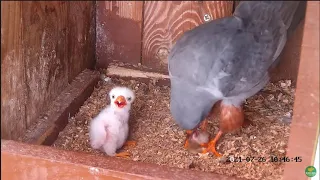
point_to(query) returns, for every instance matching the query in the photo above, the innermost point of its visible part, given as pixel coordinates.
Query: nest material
(160, 140)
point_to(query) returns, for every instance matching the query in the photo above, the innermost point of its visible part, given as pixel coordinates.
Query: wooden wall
(44, 45)
(142, 32)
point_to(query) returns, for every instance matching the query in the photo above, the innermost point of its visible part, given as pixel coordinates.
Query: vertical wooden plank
(25, 161)
(13, 94)
(216, 9)
(40, 50)
(304, 131)
(81, 37)
(118, 32)
(288, 66)
(236, 3)
(290, 58)
(45, 52)
(166, 21)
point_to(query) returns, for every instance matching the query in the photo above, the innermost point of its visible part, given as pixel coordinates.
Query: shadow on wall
(116, 38)
(290, 57)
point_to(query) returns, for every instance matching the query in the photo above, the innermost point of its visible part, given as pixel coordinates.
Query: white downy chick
(109, 129)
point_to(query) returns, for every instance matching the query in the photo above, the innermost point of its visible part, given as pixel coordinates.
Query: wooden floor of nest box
(160, 141)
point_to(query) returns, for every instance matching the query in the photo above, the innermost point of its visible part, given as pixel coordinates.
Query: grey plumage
(227, 59)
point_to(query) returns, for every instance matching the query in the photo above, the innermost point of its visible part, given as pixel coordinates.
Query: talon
(212, 145)
(186, 144)
(123, 155)
(212, 148)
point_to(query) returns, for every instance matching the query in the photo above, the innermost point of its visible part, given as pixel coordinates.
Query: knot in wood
(162, 54)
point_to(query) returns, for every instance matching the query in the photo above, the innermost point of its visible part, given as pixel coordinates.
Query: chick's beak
(120, 101)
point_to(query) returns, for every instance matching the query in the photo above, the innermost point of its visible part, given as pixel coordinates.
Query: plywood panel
(40, 52)
(290, 58)
(13, 85)
(166, 21)
(45, 52)
(81, 37)
(236, 3)
(118, 32)
(33, 162)
(304, 132)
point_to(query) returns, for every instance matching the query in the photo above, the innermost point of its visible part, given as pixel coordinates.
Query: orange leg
(204, 125)
(123, 154)
(212, 145)
(205, 145)
(186, 144)
(189, 132)
(130, 143)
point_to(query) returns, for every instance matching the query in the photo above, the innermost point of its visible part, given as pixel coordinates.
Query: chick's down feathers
(109, 129)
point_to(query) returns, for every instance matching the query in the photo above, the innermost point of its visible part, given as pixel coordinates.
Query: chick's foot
(123, 155)
(130, 143)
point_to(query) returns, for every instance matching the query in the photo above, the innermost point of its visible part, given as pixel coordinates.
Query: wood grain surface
(118, 32)
(81, 37)
(44, 44)
(33, 162)
(166, 21)
(13, 85)
(304, 132)
(44, 52)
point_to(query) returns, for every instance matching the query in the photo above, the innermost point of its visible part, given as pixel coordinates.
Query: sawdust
(160, 140)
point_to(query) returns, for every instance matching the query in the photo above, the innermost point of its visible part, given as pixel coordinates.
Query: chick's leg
(130, 143)
(127, 144)
(123, 154)
(110, 149)
(211, 146)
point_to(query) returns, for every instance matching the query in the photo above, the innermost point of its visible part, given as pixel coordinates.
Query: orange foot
(123, 155)
(203, 126)
(204, 145)
(130, 143)
(211, 147)
(186, 144)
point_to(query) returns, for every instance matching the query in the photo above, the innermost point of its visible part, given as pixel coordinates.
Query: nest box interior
(60, 59)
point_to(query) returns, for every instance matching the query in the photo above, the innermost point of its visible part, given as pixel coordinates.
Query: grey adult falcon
(227, 60)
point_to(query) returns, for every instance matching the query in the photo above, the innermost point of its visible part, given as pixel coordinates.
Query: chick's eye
(129, 98)
(112, 96)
